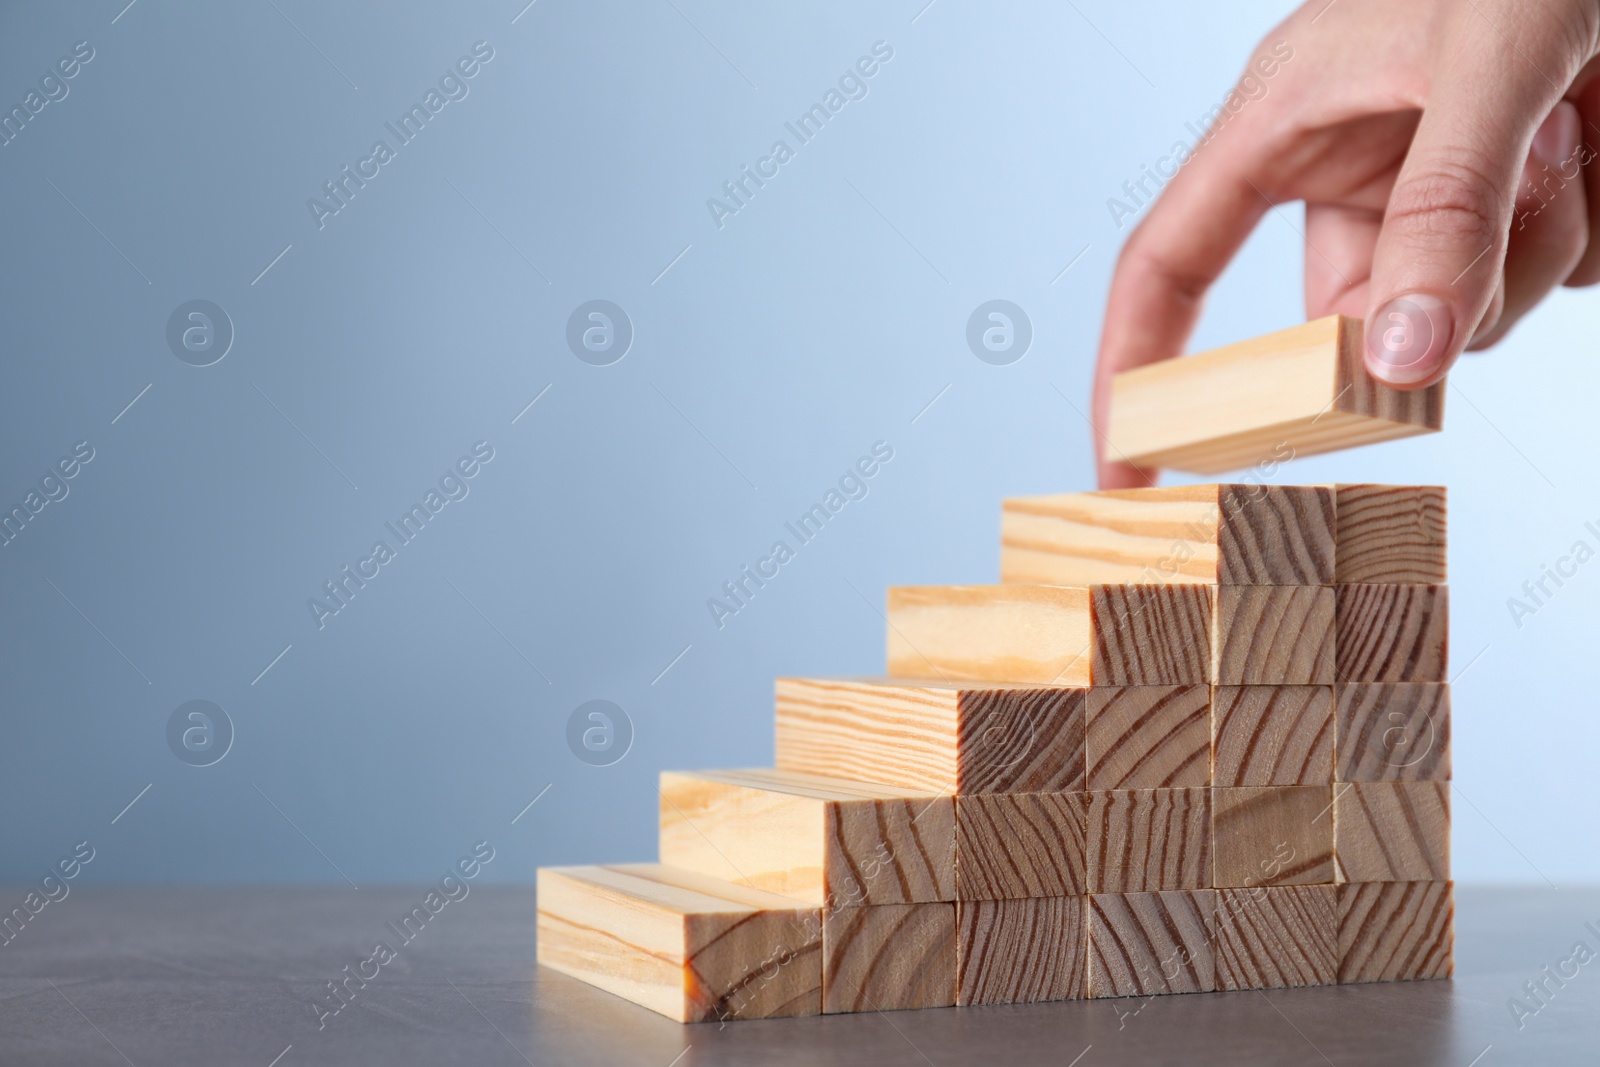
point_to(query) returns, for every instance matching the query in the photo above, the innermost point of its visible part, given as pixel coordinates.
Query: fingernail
(1557, 139)
(1408, 338)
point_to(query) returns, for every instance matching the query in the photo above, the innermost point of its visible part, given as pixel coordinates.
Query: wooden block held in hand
(1056, 635)
(1020, 951)
(1270, 937)
(690, 947)
(1390, 533)
(1148, 840)
(820, 840)
(945, 737)
(1396, 931)
(889, 956)
(1392, 831)
(1272, 835)
(1274, 635)
(1203, 534)
(1392, 633)
(1272, 735)
(1142, 944)
(1393, 732)
(1011, 845)
(1149, 736)
(1293, 393)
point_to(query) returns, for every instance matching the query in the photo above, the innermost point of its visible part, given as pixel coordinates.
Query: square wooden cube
(1392, 831)
(1390, 533)
(1148, 840)
(1019, 951)
(1149, 736)
(1141, 944)
(1269, 937)
(1392, 633)
(1272, 735)
(1393, 732)
(889, 956)
(1396, 931)
(1274, 635)
(1012, 845)
(1272, 835)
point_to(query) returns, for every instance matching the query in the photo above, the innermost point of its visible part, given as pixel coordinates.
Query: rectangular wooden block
(1272, 835)
(1272, 735)
(1392, 831)
(1392, 633)
(1396, 931)
(1141, 944)
(1149, 840)
(824, 841)
(1056, 635)
(1202, 534)
(1277, 936)
(1390, 533)
(1020, 951)
(889, 956)
(944, 737)
(1274, 635)
(1293, 393)
(1148, 736)
(1393, 732)
(690, 947)
(1011, 845)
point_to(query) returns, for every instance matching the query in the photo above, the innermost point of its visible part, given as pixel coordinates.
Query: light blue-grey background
(424, 317)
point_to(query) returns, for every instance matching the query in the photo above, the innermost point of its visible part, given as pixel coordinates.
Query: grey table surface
(166, 977)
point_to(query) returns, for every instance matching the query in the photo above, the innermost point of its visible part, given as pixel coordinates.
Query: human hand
(1440, 147)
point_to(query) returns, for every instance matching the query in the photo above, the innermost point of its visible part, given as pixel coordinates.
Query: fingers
(1439, 257)
(1587, 100)
(1339, 244)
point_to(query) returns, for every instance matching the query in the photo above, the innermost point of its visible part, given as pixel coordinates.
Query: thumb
(1441, 252)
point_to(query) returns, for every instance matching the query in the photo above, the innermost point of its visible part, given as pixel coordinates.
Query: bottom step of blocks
(1396, 931)
(1019, 951)
(888, 956)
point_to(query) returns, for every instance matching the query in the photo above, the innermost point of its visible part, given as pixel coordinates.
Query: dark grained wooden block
(1148, 943)
(1148, 840)
(1392, 831)
(1390, 533)
(1393, 732)
(1272, 835)
(1270, 937)
(1011, 845)
(1392, 633)
(1019, 951)
(1152, 634)
(1396, 931)
(1149, 736)
(1272, 734)
(889, 956)
(1274, 635)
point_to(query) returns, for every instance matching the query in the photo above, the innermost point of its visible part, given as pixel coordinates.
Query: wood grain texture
(1274, 635)
(690, 947)
(824, 841)
(1142, 944)
(1392, 831)
(1393, 732)
(1272, 734)
(1275, 937)
(1292, 393)
(944, 737)
(1228, 534)
(1396, 931)
(1011, 845)
(1020, 951)
(1272, 835)
(1148, 736)
(1149, 840)
(888, 957)
(1056, 635)
(1390, 533)
(1392, 633)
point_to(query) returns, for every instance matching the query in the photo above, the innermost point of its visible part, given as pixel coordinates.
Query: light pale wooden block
(889, 956)
(1142, 944)
(1149, 736)
(820, 840)
(1057, 635)
(1396, 931)
(1392, 831)
(1272, 835)
(1020, 951)
(1272, 734)
(1271, 937)
(1392, 633)
(1393, 732)
(690, 947)
(1261, 402)
(1011, 845)
(1204, 534)
(945, 737)
(1390, 533)
(1274, 635)
(1148, 840)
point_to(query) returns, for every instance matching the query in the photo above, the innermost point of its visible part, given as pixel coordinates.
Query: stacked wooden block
(1196, 740)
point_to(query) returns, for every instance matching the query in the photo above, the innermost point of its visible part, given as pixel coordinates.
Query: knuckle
(1451, 199)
